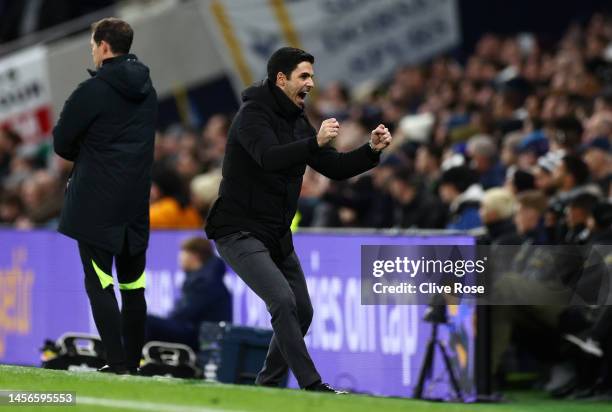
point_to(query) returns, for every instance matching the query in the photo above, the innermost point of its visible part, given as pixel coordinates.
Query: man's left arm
(338, 166)
(79, 112)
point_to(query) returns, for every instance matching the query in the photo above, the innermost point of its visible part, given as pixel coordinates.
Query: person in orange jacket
(171, 208)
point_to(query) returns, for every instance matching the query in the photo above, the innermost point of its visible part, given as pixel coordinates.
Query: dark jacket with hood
(269, 145)
(107, 127)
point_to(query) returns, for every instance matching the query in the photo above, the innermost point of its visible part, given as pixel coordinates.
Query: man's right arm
(257, 137)
(79, 111)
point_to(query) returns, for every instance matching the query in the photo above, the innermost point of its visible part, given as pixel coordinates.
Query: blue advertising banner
(369, 348)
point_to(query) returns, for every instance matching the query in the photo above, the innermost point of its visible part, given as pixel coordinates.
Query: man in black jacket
(107, 127)
(270, 143)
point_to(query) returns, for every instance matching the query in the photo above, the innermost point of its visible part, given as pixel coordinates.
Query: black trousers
(122, 331)
(282, 287)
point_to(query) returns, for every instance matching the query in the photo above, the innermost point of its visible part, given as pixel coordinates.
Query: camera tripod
(436, 316)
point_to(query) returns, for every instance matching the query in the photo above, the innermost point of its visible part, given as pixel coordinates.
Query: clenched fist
(380, 138)
(329, 131)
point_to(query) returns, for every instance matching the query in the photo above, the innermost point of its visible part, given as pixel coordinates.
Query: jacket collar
(112, 60)
(286, 107)
(118, 59)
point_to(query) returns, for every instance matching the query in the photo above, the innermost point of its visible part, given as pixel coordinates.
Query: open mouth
(302, 95)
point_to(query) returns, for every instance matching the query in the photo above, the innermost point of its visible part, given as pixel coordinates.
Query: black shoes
(324, 387)
(119, 370)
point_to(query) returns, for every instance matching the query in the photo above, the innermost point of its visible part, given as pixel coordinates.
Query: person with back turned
(269, 145)
(107, 128)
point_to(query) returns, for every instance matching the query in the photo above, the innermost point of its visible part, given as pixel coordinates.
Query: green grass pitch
(101, 392)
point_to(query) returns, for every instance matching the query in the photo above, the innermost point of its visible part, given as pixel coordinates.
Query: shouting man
(270, 143)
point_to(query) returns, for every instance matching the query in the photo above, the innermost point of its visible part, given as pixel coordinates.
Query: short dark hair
(577, 168)
(584, 201)
(407, 177)
(117, 33)
(568, 131)
(461, 177)
(285, 60)
(523, 181)
(198, 246)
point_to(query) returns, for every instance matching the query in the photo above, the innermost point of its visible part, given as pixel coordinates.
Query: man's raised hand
(328, 132)
(380, 138)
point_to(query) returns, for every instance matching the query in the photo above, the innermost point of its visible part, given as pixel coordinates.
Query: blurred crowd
(514, 115)
(513, 144)
(186, 177)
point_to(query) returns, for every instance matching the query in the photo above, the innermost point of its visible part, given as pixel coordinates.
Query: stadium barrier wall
(375, 349)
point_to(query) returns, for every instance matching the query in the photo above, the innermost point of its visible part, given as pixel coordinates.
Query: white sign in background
(25, 98)
(352, 40)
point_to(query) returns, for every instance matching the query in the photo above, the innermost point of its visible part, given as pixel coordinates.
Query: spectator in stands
(11, 208)
(212, 148)
(9, 142)
(529, 217)
(334, 102)
(22, 166)
(599, 124)
(380, 209)
(601, 224)
(427, 165)
(577, 214)
(170, 205)
(42, 196)
(203, 298)
(460, 190)
(361, 202)
(533, 145)
(483, 155)
(571, 177)
(496, 211)
(187, 165)
(519, 180)
(414, 206)
(204, 189)
(543, 173)
(597, 154)
(167, 146)
(565, 134)
(314, 187)
(510, 145)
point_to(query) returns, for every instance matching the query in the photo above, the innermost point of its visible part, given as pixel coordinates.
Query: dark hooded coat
(270, 143)
(107, 127)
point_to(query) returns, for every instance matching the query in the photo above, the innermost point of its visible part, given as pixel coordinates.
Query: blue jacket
(466, 219)
(204, 296)
(464, 209)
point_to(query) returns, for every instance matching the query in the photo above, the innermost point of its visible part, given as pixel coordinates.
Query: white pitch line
(144, 406)
(136, 405)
